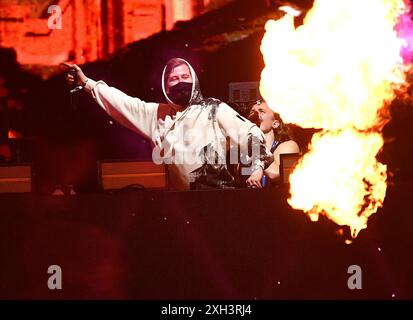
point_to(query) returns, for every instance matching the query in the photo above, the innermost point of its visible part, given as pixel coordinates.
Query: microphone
(74, 74)
(74, 88)
(254, 118)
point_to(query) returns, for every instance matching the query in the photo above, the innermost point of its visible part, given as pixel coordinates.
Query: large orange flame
(337, 72)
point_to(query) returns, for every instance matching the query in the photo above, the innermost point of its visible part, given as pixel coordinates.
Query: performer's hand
(254, 181)
(80, 79)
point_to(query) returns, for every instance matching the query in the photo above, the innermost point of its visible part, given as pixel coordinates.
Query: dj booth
(232, 244)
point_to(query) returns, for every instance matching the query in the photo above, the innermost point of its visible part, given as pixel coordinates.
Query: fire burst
(337, 72)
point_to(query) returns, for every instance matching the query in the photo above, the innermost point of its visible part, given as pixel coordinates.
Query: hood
(196, 95)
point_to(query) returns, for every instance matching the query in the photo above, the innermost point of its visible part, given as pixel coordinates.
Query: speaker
(119, 174)
(288, 162)
(15, 178)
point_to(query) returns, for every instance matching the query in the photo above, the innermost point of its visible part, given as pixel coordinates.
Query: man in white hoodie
(189, 132)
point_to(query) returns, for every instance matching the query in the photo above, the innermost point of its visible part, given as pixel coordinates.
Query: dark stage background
(241, 244)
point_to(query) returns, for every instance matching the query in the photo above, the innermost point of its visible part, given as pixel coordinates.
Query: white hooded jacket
(179, 134)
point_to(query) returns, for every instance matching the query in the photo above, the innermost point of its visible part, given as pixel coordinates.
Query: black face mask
(181, 93)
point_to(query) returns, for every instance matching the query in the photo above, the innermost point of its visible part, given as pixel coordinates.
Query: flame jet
(337, 72)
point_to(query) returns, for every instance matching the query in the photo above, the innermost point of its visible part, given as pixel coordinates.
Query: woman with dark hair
(278, 136)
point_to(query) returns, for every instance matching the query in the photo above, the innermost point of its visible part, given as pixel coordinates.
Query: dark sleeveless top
(274, 146)
(265, 182)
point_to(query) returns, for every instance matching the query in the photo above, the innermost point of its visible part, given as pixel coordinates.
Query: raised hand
(80, 76)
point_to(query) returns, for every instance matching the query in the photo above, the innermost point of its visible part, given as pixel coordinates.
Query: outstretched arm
(131, 112)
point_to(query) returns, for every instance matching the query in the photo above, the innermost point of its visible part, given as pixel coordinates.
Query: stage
(236, 244)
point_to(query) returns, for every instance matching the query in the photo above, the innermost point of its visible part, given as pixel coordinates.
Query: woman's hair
(283, 131)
